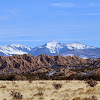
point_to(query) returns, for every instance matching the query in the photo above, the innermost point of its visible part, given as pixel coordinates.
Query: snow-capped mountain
(77, 45)
(53, 48)
(14, 49)
(18, 46)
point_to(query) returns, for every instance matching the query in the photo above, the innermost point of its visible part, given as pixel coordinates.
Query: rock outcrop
(26, 63)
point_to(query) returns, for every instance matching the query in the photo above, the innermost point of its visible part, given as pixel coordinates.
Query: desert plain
(45, 90)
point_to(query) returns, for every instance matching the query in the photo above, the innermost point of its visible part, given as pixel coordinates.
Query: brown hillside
(27, 62)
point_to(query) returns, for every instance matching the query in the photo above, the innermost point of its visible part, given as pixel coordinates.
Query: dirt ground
(45, 90)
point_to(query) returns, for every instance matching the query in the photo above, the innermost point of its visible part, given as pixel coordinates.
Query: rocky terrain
(27, 62)
(50, 65)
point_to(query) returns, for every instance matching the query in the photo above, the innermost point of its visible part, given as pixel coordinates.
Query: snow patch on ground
(83, 57)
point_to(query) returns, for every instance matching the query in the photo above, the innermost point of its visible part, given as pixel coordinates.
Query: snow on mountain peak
(15, 45)
(14, 49)
(7, 50)
(53, 47)
(53, 43)
(77, 45)
(20, 46)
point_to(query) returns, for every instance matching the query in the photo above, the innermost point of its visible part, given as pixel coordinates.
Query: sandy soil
(44, 90)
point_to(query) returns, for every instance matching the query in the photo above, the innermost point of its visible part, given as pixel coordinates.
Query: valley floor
(45, 90)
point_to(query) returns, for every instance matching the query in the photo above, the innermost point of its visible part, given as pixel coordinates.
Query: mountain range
(52, 48)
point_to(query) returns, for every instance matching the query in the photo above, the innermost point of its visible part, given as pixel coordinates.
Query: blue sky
(35, 22)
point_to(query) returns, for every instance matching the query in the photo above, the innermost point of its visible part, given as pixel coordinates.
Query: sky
(35, 22)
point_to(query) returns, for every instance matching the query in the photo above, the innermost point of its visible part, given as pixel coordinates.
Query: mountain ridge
(27, 62)
(52, 48)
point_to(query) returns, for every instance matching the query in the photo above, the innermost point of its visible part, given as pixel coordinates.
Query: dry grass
(44, 90)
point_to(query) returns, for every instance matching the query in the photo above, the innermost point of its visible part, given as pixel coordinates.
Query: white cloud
(91, 4)
(14, 11)
(92, 14)
(20, 40)
(2, 18)
(8, 13)
(70, 5)
(63, 5)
